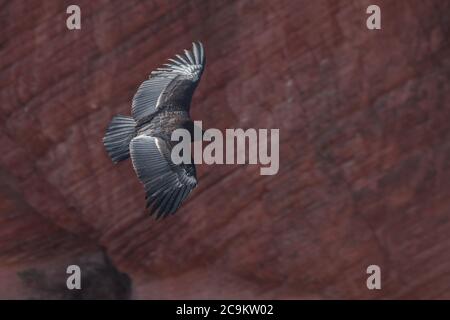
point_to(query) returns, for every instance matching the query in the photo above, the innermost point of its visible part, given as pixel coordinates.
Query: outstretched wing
(171, 85)
(166, 184)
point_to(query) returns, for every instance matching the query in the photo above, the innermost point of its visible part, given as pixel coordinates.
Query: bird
(160, 105)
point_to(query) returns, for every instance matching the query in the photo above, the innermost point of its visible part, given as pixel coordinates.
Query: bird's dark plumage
(160, 105)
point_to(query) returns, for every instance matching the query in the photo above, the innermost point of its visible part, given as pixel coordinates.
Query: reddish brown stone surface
(364, 120)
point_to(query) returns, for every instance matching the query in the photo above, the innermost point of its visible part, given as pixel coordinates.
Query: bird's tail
(118, 136)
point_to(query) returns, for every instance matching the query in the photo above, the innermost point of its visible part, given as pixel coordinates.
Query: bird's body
(163, 123)
(160, 106)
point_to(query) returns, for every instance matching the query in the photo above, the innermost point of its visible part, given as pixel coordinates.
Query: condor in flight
(160, 105)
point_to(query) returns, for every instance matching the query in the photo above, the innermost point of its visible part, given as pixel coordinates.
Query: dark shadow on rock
(99, 280)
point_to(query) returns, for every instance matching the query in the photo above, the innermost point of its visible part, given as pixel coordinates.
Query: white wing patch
(188, 67)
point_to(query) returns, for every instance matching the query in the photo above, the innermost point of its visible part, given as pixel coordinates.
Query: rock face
(364, 119)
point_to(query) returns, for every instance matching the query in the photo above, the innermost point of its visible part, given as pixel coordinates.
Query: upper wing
(173, 84)
(166, 184)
